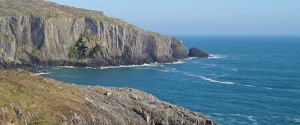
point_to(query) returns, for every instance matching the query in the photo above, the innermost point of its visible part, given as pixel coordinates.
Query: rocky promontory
(43, 33)
(26, 98)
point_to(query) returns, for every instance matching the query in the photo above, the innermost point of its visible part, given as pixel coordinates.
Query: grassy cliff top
(48, 9)
(42, 8)
(25, 95)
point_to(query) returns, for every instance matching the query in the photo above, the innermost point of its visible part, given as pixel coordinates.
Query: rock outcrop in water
(194, 52)
(45, 33)
(30, 99)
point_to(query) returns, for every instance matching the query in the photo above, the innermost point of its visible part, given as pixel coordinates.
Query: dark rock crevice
(37, 31)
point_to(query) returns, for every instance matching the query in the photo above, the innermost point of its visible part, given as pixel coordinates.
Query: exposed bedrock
(87, 41)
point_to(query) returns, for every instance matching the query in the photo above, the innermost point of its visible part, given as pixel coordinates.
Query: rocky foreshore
(30, 99)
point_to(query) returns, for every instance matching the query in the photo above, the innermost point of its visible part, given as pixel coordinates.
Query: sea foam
(216, 56)
(129, 66)
(208, 79)
(38, 74)
(216, 81)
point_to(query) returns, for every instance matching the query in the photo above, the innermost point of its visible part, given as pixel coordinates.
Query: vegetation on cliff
(83, 48)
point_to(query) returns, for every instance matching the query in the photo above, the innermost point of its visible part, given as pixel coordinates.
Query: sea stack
(194, 52)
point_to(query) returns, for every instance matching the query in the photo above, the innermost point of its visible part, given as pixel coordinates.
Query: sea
(250, 80)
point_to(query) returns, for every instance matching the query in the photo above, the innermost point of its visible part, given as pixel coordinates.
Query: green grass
(7, 35)
(84, 47)
(36, 52)
(45, 98)
(2, 36)
(73, 53)
(48, 10)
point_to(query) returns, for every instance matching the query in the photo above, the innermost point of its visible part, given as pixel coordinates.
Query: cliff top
(42, 8)
(48, 9)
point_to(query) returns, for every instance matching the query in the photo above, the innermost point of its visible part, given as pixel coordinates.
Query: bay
(249, 79)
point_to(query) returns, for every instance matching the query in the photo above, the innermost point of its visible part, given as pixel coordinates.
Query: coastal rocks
(194, 52)
(18, 65)
(31, 99)
(143, 109)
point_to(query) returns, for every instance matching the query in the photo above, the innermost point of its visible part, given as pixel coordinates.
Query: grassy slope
(43, 100)
(47, 9)
(43, 8)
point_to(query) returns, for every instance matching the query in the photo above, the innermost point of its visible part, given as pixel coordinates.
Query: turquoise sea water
(250, 79)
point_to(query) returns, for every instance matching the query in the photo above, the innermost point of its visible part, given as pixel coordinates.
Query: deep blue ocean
(251, 80)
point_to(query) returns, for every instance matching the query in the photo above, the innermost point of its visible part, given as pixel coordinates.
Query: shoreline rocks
(46, 101)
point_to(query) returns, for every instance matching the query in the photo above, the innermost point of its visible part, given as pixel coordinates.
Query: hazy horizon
(199, 17)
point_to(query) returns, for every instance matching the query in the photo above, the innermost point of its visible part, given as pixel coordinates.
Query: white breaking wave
(219, 114)
(38, 74)
(212, 80)
(233, 69)
(71, 67)
(167, 70)
(209, 79)
(215, 56)
(249, 85)
(177, 62)
(189, 74)
(190, 58)
(252, 119)
(127, 66)
(268, 88)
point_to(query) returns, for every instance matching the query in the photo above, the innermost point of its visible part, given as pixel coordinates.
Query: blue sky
(203, 17)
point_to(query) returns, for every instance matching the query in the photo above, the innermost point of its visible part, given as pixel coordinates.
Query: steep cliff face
(69, 36)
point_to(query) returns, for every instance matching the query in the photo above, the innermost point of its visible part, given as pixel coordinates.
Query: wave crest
(209, 79)
(215, 56)
(129, 66)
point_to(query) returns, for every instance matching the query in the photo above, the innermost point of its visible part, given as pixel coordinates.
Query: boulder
(195, 52)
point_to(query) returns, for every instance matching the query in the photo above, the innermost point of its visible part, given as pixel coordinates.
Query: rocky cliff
(44, 33)
(29, 99)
